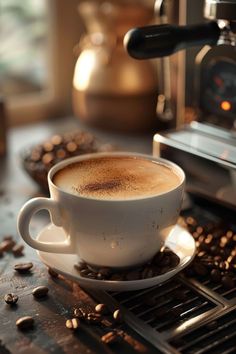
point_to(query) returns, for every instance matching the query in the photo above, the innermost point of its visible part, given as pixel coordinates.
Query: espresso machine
(202, 136)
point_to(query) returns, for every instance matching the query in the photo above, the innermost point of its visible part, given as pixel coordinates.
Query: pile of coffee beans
(161, 263)
(8, 245)
(38, 160)
(216, 253)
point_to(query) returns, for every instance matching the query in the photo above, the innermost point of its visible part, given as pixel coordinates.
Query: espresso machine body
(201, 94)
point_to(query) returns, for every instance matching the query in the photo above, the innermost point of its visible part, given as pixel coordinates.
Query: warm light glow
(225, 105)
(83, 69)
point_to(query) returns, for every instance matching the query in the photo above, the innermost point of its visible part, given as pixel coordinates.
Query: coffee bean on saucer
(17, 250)
(23, 267)
(174, 260)
(105, 271)
(117, 315)
(110, 337)
(102, 309)
(11, 299)
(81, 265)
(25, 323)
(200, 269)
(117, 277)
(40, 291)
(147, 272)
(132, 275)
(73, 323)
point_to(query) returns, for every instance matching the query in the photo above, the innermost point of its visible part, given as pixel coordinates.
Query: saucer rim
(135, 284)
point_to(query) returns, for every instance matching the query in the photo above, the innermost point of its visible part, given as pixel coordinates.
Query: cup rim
(150, 157)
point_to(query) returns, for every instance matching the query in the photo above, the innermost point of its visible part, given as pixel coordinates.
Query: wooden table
(50, 334)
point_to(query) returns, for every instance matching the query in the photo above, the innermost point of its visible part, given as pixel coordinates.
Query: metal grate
(218, 337)
(166, 306)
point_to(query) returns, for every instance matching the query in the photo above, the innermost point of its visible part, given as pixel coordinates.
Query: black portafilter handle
(162, 40)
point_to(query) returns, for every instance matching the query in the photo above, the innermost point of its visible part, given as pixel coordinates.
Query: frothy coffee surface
(116, 177)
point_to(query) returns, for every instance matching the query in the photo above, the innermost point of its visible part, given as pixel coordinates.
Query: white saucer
(179, 241)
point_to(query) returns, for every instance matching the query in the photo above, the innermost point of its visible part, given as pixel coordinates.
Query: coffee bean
(102, 309)
(11, 299)
(84, 272)
(73, 323)
(132, 275)
(147, 273)
(52, 273)
(7, 245)
(93, 318)
(80, 313)
(80, 266)
(117, 277)
(110, 338)
(200, 269)
(25, 323)
(40, 291)
(117, 315)
(174, 260)
(23, 267)
(215, 275)
(228, 282)
(7, 238)
(105, 271)
(17, 250)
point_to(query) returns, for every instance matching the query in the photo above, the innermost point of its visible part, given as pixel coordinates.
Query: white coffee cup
(111, 233)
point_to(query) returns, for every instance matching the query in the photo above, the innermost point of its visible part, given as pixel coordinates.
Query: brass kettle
(110, 89)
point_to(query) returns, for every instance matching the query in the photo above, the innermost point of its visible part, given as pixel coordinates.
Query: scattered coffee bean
(73, 323)
(200, 269)
(7, 245)
(80, 313)
(102, 309)
(25, 323)
(117, 315)
(11, 299)
(228, 282)
(17, 250)
(93, 318)
(7, 238)
(40, 291)
(215, 275)
(52, 273)
(23, 267)
(110, 337)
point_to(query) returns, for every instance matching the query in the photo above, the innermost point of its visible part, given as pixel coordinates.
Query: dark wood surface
(50, 334)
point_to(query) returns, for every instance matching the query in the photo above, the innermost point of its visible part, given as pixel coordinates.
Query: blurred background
(60, 58)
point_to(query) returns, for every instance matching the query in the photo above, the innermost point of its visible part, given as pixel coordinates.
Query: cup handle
(25, 215)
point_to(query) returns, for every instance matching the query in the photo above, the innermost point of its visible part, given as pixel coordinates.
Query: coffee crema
(116, 177)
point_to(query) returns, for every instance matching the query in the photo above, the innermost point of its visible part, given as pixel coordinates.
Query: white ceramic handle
(25, 215)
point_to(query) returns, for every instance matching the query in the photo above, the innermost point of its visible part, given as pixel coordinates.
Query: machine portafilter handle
(162, 40)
